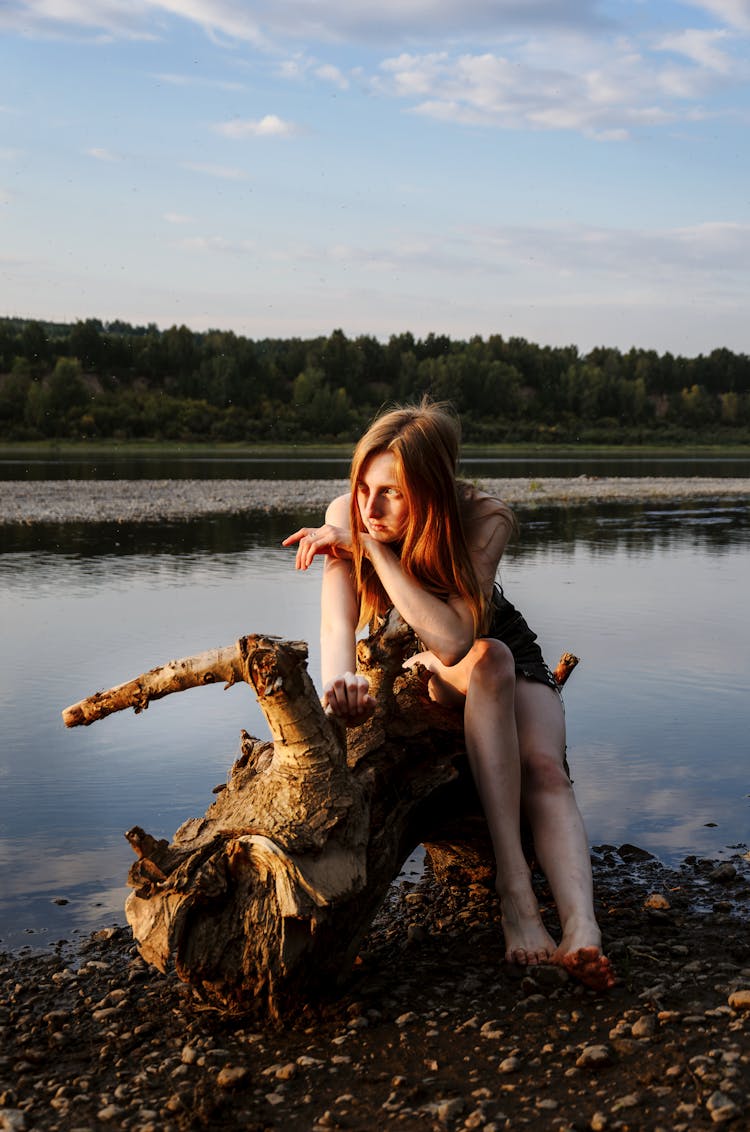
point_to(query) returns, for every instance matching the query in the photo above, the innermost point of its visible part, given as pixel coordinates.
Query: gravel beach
(430, 1030)
(139, 501)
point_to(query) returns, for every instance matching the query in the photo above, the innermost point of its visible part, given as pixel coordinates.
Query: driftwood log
(262, 902)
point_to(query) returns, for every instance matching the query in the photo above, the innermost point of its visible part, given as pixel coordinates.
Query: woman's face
(382, 505)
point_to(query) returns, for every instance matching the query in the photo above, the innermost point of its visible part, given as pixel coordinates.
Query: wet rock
(724, 874)
(633, 853)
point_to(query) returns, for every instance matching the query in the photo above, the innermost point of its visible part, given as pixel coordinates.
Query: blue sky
(569, 171)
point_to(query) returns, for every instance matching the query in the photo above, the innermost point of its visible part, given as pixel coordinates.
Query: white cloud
(270, 126)
(223, 172)
(603, 89)
(210, 244)
(178, 218)
(711, 247)
(266, 21)
(701, 46)
(196, 80)
(330, 74)
(127, 19)
(736, 13)
(101, 154)
(547, 256)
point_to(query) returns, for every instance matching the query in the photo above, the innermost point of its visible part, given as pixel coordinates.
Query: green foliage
(97, 380)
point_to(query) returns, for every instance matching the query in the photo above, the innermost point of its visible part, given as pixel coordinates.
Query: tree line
(89, 380)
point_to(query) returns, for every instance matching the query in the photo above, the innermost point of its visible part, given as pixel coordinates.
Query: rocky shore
(136, 501)
(430, 1030)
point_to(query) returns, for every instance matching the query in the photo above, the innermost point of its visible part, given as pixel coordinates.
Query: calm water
(174, 466)
(653, 599)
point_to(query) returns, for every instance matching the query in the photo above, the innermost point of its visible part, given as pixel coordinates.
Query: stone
(656, 900)
(231, 1076)
(740, 999)
(449, 1109)
(645, 1026)
(724, 874)
(594, 1057)
(721, 1108)
(509, 1065)
(12, 1120)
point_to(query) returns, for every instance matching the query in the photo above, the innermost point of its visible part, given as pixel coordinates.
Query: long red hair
(424, 442)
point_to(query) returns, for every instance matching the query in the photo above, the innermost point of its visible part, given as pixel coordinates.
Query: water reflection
(652, 598)
(597, 526)
(309, 465)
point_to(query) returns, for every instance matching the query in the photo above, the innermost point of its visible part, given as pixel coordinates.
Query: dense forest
(92, 380)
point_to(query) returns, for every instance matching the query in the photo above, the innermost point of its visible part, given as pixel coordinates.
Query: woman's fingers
(310, 541)
(318, 540)
(348, 697)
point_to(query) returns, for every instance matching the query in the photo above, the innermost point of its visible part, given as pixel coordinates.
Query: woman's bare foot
(527, 941)
(590, 967)
(580, 953)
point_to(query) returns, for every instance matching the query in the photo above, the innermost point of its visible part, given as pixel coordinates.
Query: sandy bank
(136, 501)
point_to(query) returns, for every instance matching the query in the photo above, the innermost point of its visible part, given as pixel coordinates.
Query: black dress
(509, 626)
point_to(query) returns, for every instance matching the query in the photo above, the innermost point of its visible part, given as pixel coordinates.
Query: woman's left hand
(310, 541)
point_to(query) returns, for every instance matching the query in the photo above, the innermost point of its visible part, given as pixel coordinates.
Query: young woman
(411, 535)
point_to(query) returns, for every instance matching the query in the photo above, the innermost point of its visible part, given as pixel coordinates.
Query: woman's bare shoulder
(480, 508)
(489, 523)
(337, 512)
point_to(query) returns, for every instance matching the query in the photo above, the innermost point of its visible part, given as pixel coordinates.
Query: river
(653, 598)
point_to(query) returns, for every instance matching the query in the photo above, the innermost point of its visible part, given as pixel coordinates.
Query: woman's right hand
(348, 698)
(327, 539)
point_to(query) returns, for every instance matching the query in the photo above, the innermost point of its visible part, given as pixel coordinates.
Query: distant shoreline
(149, 501)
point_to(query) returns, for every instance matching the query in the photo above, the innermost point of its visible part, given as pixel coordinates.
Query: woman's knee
(493, 667)
(544, 770)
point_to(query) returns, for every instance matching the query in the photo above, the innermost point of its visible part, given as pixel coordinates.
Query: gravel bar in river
(134, 501)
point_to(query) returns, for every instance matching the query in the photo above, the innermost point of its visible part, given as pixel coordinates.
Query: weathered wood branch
(265, 899)
(210, 667)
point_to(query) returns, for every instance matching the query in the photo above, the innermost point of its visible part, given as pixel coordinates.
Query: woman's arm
(332, 538)
(345, 691)
(445, 628)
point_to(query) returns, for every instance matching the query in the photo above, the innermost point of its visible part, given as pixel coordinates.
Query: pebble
(438, 1036)
(594, 1057)
(12, 1120)
(138, 501)
(721, 1108)
(231, 1076)
(645, 1026)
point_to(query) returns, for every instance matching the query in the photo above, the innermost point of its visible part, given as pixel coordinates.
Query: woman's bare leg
(560, 839)
(485, 681)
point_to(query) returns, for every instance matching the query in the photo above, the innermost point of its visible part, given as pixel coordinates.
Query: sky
(567, 171)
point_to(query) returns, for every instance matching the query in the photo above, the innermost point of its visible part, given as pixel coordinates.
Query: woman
(411, 535)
